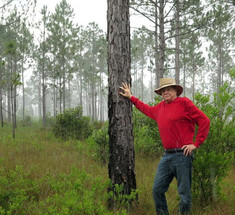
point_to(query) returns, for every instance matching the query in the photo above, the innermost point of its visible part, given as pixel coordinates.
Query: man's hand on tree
(126, 90)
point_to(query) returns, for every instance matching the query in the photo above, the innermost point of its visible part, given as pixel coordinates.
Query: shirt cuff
(133, 99)
(197, 144)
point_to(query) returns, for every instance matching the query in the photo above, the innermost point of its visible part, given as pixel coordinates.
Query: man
(176, 118)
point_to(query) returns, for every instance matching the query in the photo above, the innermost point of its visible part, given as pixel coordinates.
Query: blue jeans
(173, 165)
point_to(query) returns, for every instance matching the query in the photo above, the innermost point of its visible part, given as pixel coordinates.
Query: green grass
(40, 174)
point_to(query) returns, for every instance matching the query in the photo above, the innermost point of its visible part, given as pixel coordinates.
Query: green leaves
(214, 158)
(72, 124)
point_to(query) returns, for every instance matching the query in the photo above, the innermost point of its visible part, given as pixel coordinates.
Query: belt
(171, 151)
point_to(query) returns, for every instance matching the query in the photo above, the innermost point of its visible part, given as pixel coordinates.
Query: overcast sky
(85, 11)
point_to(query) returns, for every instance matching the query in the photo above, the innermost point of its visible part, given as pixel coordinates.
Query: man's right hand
(126, 90)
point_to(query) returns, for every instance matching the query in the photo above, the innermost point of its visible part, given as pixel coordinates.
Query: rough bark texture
(122, 157)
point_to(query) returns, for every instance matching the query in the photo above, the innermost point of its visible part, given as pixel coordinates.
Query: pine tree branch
(182, 34)
(143, 14)
(6, 4)
(170, 9)
(7, 111)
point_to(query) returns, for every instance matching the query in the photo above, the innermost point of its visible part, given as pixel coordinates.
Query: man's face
(168, 94)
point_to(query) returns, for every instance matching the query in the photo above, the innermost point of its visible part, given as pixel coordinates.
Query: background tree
(41, 58)
(60, 30)
(221, 38)
(162, 14)
(94, 40)
(141, 47)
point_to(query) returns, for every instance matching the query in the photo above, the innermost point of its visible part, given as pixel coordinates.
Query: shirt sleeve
(149, 111)
(201, 120)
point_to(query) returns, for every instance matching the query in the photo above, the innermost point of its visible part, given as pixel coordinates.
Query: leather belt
(171, 151)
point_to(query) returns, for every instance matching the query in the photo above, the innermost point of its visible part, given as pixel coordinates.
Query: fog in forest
(50, 62)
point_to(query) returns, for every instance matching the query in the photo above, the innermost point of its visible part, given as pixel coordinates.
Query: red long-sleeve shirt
(176, 121)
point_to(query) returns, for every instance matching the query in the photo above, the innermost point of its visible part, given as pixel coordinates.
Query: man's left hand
(188, 149)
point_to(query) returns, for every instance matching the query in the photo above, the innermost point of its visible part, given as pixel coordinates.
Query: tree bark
(121, 142)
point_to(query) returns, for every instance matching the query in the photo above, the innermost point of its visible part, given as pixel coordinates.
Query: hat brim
(178, 87)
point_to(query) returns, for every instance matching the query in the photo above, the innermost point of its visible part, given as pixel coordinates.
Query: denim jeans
(173, 165)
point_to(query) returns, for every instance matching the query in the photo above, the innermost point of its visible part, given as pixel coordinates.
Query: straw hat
(167, 82)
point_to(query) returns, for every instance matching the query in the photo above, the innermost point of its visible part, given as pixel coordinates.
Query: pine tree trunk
(101, 109)
(9, 104)
(15, 92)
(69, 93)
(193, 87)
(54, 98)
(219, 71)
(157, 72)
(81, 89)
(177, 44)
(39, 98)
(64, 91)
(23, 90)
(121, 142)
(162, 41)
(43, 81)
(184, 78)
(92, 103)
(1, 106)
(142, 78)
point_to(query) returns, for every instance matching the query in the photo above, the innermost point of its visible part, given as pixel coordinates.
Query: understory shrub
(75, 193)
(99, 141)
(146, 135)
(16, 189)
(72, 124)
(213, 159)
(119, 200)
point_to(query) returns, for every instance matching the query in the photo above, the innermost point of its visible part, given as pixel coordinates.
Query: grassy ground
(39, 154)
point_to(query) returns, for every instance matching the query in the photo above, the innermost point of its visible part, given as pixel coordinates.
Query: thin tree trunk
(157, 71)
(9, 103)
(92, 103)
(69, 92)
(60, 94)
(193, 88)
(142, 78)
(177, 44)
(184, 71)
(122, 157)
(43, 81)
(14, 105)
(39, 98)
(101, 110)
(219, 73)
(54, 98)
(12, 99)
(1, 106)
(23, 90)
(64, 92)
(81, 89)
(162, 41)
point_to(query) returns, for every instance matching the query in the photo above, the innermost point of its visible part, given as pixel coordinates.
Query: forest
(62, 119)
